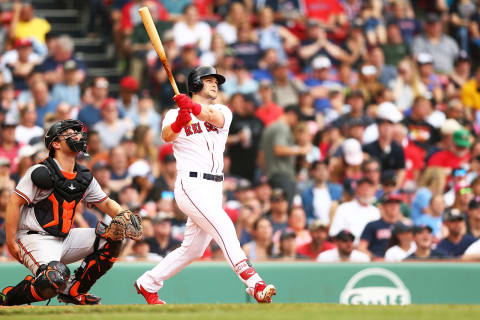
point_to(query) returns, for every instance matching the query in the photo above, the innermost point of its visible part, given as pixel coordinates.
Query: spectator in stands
(244, 138)
(128, 98)
(52, 66)
(273, 36)
(5, 193)
(112, 129)
(101, 172)
(423, 239)
(268, 111)
(322, 198)
(20, 62)
(356, 214)
(5, 171)
(245, 47)
(431, 80)
(278, 151)
(407, 86)
(442, 47)
(331, 14)
(64, 111)
(348, 165)
(241, 82)
(118, 163)
(287, 247)
(385, 73)
(147, 115)
(469, 92)
(401, 244)
(68, 90)
(432, 216)
(165, 181)
(376, 235)
(26, 25)
(27, 129)
(371, 169)
(456, 157)
(228, 28)
(261, 247)
(396, 48)
(217, 52)
(162, 241)
(8, 103)
(455, 244)
(356, 101)
(90, 114)
(278, 214)
(318, 244)
(141, 252)
(320, 83)
(473, 218)
(8, 146)
(297, 222)
(345, 250)
(43, 102)
(420, 131)
(460, 74)
(190, 31)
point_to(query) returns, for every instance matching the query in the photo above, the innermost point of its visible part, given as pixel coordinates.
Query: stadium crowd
(354, 128)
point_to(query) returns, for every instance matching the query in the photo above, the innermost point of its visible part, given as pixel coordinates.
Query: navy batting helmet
(59, 127)
(195, 83)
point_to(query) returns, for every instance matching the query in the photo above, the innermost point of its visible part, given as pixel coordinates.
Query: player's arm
(110, 207)
(173, 123)
(168, 135)
(11, 223)
(211, 115)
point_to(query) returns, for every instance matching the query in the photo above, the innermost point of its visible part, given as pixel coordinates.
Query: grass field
(244, 312)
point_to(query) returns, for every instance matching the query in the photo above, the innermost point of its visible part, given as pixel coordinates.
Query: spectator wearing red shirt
(269, 111)
(319, 233)
(130, 16)
(455, 158)
(9, 147)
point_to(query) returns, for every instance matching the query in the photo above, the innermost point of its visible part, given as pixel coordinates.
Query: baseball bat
(157, 44)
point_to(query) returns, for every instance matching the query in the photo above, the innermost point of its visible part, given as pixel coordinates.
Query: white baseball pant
(201, 201)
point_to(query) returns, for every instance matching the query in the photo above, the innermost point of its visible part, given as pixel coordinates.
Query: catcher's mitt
(134, 229)
(118, 226)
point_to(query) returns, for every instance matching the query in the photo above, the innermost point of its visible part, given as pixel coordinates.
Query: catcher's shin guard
(93, 267)
(51, 279)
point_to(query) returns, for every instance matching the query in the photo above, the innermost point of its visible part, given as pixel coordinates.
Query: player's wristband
(196, 108)
(176, 127)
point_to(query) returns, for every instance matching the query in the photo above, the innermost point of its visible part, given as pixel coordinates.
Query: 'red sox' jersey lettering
(195, 128)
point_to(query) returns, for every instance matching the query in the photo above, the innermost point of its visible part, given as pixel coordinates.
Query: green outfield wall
(378, 283)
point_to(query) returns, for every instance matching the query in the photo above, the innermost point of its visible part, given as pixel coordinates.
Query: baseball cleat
(263, 293)
(151, 298)
(81, 299)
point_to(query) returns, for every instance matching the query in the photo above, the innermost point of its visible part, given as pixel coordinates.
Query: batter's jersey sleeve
(169, 118)
(25, 187)
(94, 193)
(227, 114)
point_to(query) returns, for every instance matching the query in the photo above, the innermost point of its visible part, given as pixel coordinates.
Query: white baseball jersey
(32, 194)
(200, 145)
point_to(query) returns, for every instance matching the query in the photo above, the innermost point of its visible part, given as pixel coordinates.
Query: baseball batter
(40, 215)
(199, 130)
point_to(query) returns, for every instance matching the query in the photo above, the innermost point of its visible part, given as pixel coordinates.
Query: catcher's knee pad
(94, 266)
(50, 280)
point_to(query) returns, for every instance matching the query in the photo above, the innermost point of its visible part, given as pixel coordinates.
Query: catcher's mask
(58, 129)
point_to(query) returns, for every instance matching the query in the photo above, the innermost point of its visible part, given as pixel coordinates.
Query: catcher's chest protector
(56, 213)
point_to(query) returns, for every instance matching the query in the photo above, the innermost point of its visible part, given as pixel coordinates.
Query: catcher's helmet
(59, 127)
(195, 83)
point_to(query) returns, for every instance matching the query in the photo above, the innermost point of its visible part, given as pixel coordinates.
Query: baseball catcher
(40, 215)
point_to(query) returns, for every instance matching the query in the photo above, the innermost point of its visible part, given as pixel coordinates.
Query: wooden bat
(157, 44)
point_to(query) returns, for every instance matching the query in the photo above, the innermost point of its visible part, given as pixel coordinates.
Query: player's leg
(40, 254)
(193, 246)
(201, 201)
(99, 256)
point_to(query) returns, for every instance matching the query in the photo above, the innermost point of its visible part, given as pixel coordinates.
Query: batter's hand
(183, 118)
(14, 250)
(183, 101)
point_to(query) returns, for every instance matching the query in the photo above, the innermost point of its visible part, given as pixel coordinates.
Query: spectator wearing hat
(473, 218)
(442, 47)
(20, 62)
(278, 214)
(244, 138)
(470, 94)
(430, 79)
(349, 164)
(455, 244)
(345, 250)
(27, 128)
(128, 98)
(322, 198)
(401, 244)
(268, 111)
(356, 214)
(277, 152)
(461, 72)
(432, 215)
(423, 240)
(165, 181)
(25, 24)
(285, 88)
(69, 89)
(288, 247)
(447, 129)
(319, 234)
(420, 131)
(385, 149)
(356, 101)
(162, 241)
(112, 129)
(376, 235)
(9, 147)
(246, 49)
(456, 157)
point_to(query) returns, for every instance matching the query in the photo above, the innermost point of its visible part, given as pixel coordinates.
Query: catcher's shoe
(151, 298)
(81, 299)
(263, 293)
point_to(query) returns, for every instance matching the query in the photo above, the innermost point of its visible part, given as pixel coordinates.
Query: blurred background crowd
(354, 128)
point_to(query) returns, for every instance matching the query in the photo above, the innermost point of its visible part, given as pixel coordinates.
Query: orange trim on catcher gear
(6, 290)
(68, 215)
(34, 294)
(28, 253)
(56, 219)
(69, 175)
(74, 289)
(90, 264)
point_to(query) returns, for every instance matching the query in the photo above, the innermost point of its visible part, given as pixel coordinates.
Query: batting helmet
(195, 83)
(59, 127)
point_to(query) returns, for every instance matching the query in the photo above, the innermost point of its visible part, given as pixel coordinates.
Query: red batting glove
(183, 118)
(196, 108)
(183, 101)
